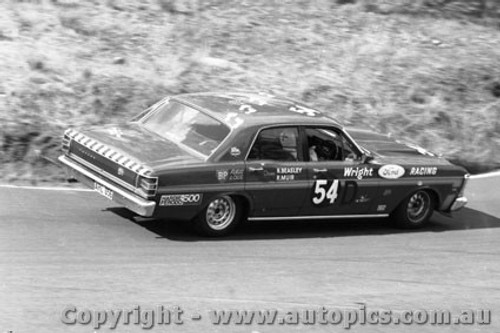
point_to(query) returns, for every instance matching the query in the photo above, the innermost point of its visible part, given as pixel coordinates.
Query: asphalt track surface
(61, 248)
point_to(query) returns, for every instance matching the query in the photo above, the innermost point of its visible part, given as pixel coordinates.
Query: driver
(288, 140)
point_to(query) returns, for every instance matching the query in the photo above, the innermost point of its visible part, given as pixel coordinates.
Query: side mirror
(367, 158)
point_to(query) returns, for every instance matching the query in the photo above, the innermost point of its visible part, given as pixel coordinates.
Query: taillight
(147, 186)
(68, 135)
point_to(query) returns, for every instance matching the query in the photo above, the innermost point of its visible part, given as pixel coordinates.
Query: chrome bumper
(132, 202)
(458, 203)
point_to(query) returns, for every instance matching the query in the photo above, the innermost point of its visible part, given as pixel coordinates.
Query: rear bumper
(131, 201)
(458, 203)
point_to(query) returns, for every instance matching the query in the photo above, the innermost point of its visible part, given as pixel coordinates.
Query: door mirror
(367, 157)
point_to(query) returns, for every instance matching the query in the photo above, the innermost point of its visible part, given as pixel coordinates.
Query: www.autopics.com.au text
(160, 315)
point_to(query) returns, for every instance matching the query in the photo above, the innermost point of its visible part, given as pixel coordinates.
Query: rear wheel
(220, 216)
(415, 211)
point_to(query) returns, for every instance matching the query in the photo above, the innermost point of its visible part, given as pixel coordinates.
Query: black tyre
(220, 217)
(415, 211)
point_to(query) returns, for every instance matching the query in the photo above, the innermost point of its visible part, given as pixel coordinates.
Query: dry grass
(429, 74)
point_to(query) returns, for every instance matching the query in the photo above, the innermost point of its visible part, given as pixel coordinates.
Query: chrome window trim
(349, 137)
(143, 116)
(333, 126)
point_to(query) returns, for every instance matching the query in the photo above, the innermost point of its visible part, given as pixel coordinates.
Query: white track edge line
(45, 188)
(486, 175)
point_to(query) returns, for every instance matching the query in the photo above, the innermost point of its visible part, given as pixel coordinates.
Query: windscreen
(187, 127)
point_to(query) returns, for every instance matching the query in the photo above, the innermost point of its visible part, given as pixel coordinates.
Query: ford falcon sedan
(217, 159)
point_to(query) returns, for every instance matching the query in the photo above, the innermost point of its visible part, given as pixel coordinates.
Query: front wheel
(220, 216)
(415, 211)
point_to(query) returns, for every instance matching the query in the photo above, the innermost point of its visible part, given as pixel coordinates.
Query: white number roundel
(324, 192)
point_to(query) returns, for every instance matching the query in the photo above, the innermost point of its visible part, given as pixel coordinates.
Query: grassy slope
(399, 69)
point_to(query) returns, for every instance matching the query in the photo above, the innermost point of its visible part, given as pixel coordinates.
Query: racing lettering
(423, 171)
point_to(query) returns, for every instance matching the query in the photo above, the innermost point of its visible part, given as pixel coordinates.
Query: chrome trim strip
(140, 206)
(464, 183)
(316, 217)
(278, 185)
(222, 187)
(108, 152)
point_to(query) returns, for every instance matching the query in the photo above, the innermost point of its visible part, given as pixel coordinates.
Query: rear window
(187, 127)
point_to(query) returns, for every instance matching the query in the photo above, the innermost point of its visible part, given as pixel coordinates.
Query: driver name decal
(287, 174)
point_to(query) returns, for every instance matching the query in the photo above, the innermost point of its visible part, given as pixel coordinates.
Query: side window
(328, 145)
(278, 144)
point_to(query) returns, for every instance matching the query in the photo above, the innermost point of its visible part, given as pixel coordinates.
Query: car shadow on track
(179, 231)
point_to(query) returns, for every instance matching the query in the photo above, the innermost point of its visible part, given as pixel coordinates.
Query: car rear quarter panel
(206, 180)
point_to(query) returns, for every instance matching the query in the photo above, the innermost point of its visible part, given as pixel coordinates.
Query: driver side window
(325, 144)
(278, 144)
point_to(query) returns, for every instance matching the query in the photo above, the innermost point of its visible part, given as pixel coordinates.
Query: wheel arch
(435, 196)
(434, 193)
(243, 197)
(401, 216)
(245, 200)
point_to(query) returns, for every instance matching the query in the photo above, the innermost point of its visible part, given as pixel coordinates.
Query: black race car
(220, 158)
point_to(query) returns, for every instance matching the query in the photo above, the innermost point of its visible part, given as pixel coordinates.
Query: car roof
(253, 108)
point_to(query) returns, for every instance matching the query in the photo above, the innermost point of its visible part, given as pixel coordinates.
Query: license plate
(103, 191)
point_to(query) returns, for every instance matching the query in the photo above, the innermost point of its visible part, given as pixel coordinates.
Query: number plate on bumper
(103, 191)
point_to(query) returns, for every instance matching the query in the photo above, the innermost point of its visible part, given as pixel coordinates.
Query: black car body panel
(369, 176)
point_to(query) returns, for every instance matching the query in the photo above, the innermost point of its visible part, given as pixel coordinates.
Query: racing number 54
(323, 189)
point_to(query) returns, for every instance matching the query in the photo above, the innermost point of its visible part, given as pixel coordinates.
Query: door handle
(255, 169)
(320, 170)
